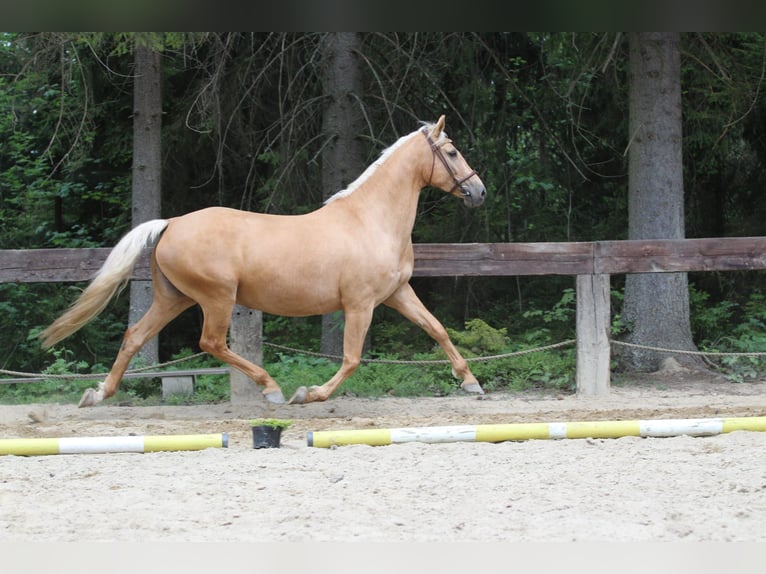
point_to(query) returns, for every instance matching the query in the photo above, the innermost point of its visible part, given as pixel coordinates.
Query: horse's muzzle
(473, 195)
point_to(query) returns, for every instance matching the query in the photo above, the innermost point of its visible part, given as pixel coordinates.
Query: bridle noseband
(436, 149)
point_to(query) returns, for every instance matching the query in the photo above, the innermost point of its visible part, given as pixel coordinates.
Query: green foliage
(550, 369)
(617, 326)
(273, 423)
(541, 116)
(479, 338)
(293, 371)
(542, 370)
(746, 334)
(296, 332)
(392, 336)
(707, 318)
(207, 388)
(557, 322)
(53, 389)
(562, 312)
(53, 168)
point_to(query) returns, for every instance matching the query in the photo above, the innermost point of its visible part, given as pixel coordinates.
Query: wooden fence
(591, 262)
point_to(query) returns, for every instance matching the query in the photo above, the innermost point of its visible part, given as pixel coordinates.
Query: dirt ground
(627, 489)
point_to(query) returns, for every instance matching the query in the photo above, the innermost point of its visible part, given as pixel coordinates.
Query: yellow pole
(527, 431)
(29, 446)
(106, 444)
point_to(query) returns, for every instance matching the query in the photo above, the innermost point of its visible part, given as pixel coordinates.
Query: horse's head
(451, 172)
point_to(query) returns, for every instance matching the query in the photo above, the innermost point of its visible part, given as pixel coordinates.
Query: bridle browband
(436, 149)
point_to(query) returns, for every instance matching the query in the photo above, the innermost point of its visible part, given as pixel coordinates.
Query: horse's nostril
(483, 192)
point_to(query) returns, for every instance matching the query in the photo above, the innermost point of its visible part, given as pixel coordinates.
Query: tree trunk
(343, 156)
(147, 169)
(656, 308)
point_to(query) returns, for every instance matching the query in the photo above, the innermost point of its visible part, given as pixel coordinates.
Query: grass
(370, 380)
(553, 370)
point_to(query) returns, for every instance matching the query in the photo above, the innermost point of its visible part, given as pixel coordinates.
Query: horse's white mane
(384, 155)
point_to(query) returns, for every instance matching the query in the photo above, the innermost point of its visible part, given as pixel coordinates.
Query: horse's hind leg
(408, 304)
(213, 341)
(168, 303)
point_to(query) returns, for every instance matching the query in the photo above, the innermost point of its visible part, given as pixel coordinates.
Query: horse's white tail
(110, 280)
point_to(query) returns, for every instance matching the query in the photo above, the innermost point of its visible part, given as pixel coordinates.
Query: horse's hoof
(92, 396)
(275, 397)
(300, 396)
(473, 388)
(88, 399)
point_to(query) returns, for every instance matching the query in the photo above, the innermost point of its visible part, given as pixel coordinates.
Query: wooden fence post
(593, 323)
(245, 339)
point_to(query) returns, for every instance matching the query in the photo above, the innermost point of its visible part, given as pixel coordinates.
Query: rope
(87, 376)
(426, 362)
(682, 352)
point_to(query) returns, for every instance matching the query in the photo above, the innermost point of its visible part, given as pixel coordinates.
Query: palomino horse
(353, 253)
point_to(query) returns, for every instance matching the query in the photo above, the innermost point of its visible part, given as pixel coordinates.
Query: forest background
(543, 118)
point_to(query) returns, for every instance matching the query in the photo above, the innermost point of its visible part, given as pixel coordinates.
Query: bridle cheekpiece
(437, 151)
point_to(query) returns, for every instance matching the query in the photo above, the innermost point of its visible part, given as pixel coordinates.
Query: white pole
(527, 431)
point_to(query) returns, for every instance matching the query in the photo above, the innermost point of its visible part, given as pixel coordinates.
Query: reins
(436, 149)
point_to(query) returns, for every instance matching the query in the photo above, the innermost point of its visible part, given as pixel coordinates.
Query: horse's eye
(452, 153)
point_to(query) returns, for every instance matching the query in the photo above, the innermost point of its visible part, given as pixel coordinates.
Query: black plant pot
(266, 436)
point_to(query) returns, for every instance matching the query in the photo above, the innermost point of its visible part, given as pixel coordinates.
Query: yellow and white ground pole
(527, 431)
(108, 444)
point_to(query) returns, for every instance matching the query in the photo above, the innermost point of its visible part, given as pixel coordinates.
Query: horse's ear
(438, 127)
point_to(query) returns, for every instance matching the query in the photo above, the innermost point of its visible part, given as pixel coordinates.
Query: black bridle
(436, 149)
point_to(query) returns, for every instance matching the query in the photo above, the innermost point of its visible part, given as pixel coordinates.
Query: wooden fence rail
(591, 262)
(461, 259)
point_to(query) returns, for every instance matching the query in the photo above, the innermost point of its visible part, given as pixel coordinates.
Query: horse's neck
(388, 201)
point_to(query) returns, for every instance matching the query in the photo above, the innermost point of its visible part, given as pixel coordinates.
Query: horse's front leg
(357, 323)
(408, 304)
